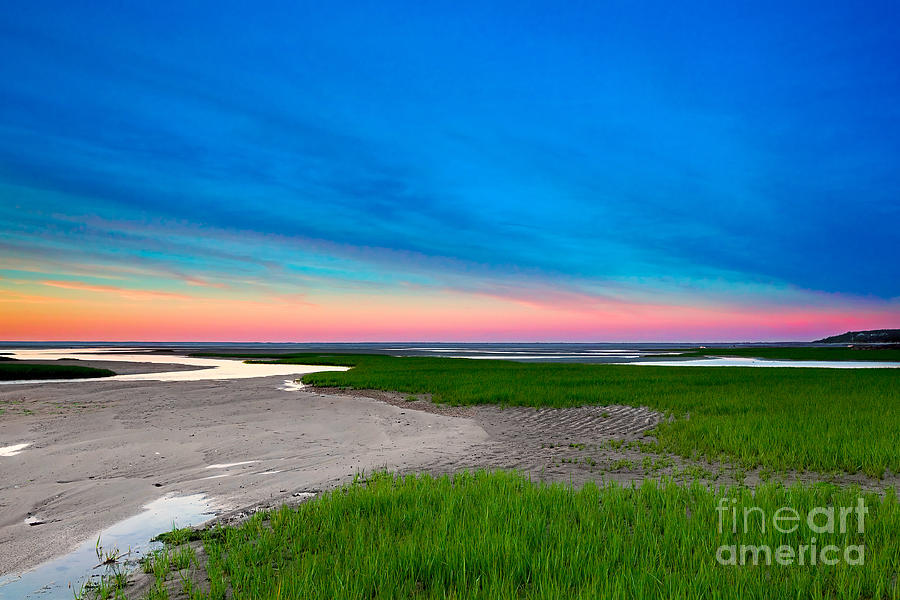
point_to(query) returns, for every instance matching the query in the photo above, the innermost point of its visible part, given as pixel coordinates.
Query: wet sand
(99, 451)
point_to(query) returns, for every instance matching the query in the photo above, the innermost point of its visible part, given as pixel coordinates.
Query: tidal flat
(620, 467)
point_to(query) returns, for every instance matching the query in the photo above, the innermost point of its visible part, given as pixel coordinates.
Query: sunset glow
(413, 173)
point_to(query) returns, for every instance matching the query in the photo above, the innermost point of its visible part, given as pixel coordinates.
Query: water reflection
(207, 368)
(760, 362)
(58, 578)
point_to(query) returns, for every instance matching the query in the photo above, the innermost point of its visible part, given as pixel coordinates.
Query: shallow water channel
(208, 369)
(60, 577)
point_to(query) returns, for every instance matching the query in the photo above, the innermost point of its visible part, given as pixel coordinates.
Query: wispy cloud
(132, 294)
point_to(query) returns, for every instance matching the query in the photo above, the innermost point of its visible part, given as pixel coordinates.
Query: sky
(457, 171)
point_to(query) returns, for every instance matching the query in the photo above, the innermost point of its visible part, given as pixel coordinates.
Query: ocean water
(662, 354)
(582, 352)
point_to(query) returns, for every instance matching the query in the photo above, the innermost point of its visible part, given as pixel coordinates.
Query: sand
(100, 450)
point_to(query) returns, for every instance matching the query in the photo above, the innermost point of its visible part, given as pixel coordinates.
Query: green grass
(842, 354)
(16, 370)
(172, 558)
(497, 535)
(822, 420)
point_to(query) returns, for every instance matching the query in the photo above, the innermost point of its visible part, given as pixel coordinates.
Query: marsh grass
(498, 535)
(176, 556)
(112, 582)
(822, 420)
(10, 371)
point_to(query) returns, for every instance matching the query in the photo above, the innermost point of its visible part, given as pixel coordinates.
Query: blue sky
(740, 156)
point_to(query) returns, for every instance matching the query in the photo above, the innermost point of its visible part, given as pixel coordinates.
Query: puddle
(228, 466)
(208, 369)
(759, 362)
(549, 357)
(234, 464)
(291, 385)
(12, 450)
(56, 579)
